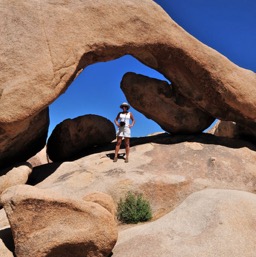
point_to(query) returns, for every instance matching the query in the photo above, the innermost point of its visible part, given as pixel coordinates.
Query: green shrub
(133, 209)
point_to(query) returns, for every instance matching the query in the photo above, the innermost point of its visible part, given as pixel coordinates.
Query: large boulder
(160, 101)
(44, 224)
(72, 136)
(166, 169)
(23, 139)
(208, 223)
(58, 39)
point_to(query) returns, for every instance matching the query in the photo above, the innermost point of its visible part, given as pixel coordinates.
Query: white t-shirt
(124, 131)
(125, 117)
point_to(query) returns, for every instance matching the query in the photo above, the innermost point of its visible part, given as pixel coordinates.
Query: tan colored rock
(196, 69)
(23, 139)
(102, 199)
(44, 46)
(73, 136)
(160, 101)
(6, 238)
(3, 219)
(39, 159)
(208, 223)
(166, 169)
(76, 228)
(15, 176)
(231, 129)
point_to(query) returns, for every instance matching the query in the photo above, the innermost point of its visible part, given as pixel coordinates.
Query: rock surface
(44, 46)
(3, 219)
(39, 159)
(72, 136)
(23, 139)
(61, 38)
(14, 176)
(159, 101)
(76, 228)
(231, 129)
(102, 199)
(208, 223)
(166, 169)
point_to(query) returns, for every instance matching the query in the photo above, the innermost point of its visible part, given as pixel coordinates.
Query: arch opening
(97, 91)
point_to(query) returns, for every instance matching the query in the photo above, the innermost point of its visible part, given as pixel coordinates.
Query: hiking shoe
(115, 159)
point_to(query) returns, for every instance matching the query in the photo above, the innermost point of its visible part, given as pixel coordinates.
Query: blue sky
(229, 26)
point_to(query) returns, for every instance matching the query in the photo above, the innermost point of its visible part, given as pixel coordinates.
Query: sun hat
(125, 104)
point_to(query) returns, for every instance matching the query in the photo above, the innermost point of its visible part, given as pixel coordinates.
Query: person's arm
(116, 120)
(133, 120)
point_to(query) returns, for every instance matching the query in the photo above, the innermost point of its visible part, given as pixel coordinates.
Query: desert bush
(133, 209)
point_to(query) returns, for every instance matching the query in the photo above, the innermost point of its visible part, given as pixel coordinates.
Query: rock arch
(45, 44)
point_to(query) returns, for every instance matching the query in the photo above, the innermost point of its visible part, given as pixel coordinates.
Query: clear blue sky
(229, 26)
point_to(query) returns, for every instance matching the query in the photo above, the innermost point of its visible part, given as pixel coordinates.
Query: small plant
(133, 209)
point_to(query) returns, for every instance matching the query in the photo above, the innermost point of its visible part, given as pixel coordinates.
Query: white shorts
(123, 132)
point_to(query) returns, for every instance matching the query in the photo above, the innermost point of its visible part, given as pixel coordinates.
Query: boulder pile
(51, 40)
(201, 187)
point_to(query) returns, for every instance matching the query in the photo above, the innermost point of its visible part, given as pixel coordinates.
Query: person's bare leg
(118, 144)
(127, 148)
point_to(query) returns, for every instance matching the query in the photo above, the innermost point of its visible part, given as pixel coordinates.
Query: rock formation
(208, 223)
(102, 199)
(57, 40)
(75, 228)
(165, 169)
(44, 46)
(231, 129)
(39, 159)
(72, 136)
(23, 139)
(15, 176)
(159, 101)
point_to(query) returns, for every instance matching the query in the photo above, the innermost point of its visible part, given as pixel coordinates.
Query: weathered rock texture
(14, 176)
(72, 136)
(231, 129)
(208, 223)
(45, 44)
(102, 199)
(160, 101)
(22, 139)
(166, 169)
(46, 225)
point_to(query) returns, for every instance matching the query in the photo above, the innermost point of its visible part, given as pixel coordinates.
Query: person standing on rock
(122, 121)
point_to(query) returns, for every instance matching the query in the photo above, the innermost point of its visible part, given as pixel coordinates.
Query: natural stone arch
(45, 44)
(62, 37)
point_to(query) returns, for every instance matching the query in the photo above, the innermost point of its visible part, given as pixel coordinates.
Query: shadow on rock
(40, 173)
(168, 139)
(6, 237)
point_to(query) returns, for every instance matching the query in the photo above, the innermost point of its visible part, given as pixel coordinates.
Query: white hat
(125, 104)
